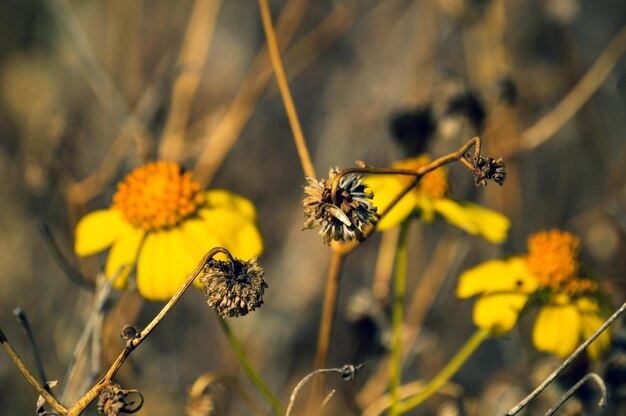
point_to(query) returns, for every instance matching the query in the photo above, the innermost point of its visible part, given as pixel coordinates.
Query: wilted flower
(234, 288)
(549, 275)
(345, 219)
(162, 221)
(429, 198)
(112, 401)
(488, 168)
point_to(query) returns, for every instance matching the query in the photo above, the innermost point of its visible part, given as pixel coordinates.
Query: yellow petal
(124, 254)
(198, 240)
(426, 205)
(220, 198)
(385, 189)
(163, 264)
(500, 276)
(474, 219)
(591, 321)
(97, 231)
(234, 232)
(557, 329)
(498, 312)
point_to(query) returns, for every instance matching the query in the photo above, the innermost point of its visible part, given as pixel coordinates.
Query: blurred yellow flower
(163, 222)
(429, 198)
(548, 275)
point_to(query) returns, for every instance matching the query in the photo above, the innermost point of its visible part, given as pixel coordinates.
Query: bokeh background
(90, 89)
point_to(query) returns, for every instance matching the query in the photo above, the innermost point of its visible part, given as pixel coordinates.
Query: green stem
(254, 377)
(448, 371)
(398, 314)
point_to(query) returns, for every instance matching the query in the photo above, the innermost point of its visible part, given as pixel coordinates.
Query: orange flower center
(434, 184)
(553, 258)
(157, 195)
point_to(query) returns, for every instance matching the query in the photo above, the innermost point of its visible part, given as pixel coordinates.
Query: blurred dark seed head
(468, 104)
(507, 91)
(413, 129)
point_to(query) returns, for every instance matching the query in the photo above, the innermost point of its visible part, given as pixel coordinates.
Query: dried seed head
(234, 288)
(488, 168)
(346, 220)
(112, 401)
(130, 332)
(349, 371)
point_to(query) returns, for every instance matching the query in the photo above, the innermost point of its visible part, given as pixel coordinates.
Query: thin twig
(72, 273)
(224, 136)
(194, 50)
(102, 296)
(328, 398)
(516, 409)
(23, 321)
(32, 380)
(572, 390)
(132, 344)
(283, 85)
(348, 372)
(552, 122)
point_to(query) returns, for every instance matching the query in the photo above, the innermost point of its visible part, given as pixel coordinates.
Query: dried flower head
(346, 220)
(112, 401)
(130, 332)
(488, 168)
(234, 288)
(349, 371)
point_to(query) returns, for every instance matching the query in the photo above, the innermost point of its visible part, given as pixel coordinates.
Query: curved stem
(399, 294)
(448, 371)
(32, 380)
(348, 372)
(572, 390)
(515, 410)
(458, 155)
(254, 377)
(134, 343)
(375, 171)
(283, 85)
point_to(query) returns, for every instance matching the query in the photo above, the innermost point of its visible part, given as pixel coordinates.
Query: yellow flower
(161, 220)
(429, 198)
(549, 275)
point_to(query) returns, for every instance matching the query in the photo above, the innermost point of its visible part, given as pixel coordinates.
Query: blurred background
(91, 89)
